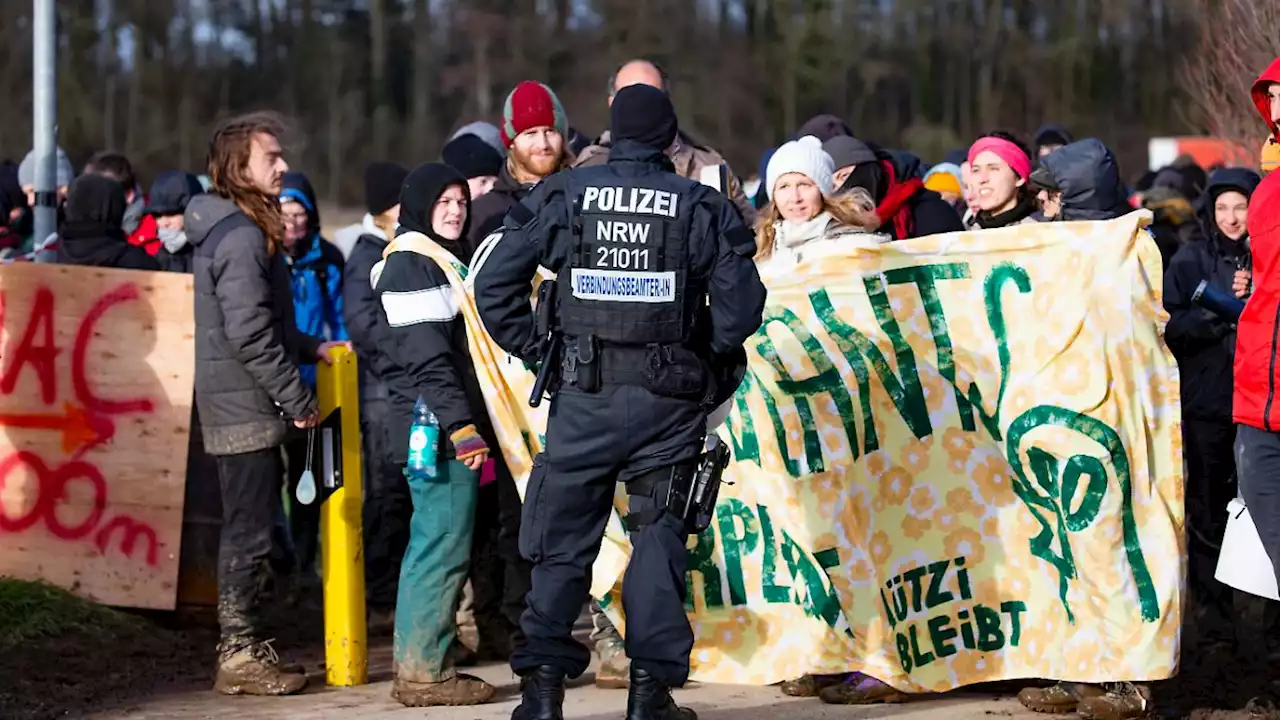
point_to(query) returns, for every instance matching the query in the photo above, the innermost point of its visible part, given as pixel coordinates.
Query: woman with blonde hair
(804, 218)
(804, 215)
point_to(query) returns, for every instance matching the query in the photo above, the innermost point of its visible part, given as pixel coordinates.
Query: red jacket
(1257, 367)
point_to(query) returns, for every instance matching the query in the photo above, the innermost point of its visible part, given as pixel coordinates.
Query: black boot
(541, 695)
(649, 699)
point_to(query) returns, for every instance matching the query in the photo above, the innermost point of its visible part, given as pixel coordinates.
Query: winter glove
(467, 443)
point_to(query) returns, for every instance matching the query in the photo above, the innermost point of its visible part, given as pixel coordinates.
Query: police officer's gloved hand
(467, 443)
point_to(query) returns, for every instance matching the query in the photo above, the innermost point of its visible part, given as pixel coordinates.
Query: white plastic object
(1243, 562)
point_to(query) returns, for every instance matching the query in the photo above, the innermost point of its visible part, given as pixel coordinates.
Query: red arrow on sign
(81, 430)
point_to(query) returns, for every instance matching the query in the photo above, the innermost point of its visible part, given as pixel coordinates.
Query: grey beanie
(846, 151)
(27, 170)
(487, 132)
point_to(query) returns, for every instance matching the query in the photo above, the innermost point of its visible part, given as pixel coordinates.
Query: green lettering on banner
(993, 287)
(736, 544)
(990, 636)
(941, 634)
(904, 388)
(817, 600)
(826, 381)
(773, 593)
(1055, 502)
(745, 444)
(701, 560)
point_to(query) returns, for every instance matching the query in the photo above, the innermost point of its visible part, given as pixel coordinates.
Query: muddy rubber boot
(808, 685)
(458, 690)
(649, 699)
(615, 667)
(1060, 698)
(255, 670)
(541, 695)
(1124, 701)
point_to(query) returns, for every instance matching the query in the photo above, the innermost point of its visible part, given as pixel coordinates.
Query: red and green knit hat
(531, 105)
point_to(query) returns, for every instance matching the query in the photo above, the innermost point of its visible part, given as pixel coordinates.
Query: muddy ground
(94, 658)
(76, 658)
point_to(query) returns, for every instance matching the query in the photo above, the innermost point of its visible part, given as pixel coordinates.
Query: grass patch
(35, 610)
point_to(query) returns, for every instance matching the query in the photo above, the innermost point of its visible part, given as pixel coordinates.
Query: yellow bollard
(346, 652)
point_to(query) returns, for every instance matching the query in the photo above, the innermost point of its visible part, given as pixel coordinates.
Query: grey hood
(1086, 173)
(203, 212)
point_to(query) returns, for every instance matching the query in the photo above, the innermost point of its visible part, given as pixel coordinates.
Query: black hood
(824, 127)
(1242, 180)
(418, 197)
(92, 233)
(1087, 174)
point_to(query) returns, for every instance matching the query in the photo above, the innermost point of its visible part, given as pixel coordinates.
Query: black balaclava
(96, 200)
(643, 114)
(418, 197)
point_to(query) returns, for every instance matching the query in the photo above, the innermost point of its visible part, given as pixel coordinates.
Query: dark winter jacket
(91, 234)
(905, 208)
(247, 344)
(488, 210)
(1203, 343)
(426, 341)
(1089, 179)
(360, 312)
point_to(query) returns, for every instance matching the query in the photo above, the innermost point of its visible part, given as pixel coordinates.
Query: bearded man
(534, 128)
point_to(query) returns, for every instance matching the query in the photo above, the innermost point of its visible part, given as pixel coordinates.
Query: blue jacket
(316, 283)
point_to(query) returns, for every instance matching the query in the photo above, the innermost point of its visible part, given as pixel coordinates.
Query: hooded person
(1204, 345)
(92, 234)
(905, 208)
(1254, 409)
(430, 362)
(847, 152)
(140, 227)
(1174, 195)
(1047, 139)
(1080, 181)
(386, 507)
(535, 131)
(478, 162)
(166, 204)
(315, 277)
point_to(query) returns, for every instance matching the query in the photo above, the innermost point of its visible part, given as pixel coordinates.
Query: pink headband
(1006, 151)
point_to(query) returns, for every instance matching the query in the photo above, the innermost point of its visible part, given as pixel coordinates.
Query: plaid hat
(532, 105)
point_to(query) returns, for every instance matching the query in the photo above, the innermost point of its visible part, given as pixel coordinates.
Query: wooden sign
(96, 371)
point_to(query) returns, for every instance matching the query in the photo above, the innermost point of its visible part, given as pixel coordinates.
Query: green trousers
(433, 572)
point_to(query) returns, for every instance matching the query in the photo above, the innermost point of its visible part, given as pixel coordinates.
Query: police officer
(656, 293)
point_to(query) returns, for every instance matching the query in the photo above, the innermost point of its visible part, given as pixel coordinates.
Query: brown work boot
(255, 670)
(615, 667)
(458, 690)
(859, 689)
(808, 685)
(1059, 698)
(1123, 701)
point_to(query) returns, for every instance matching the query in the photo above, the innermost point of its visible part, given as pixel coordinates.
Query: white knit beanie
(804, 156)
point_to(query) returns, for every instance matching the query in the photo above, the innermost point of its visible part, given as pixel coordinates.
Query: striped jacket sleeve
(422, 314)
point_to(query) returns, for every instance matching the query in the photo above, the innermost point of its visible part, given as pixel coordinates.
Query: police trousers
(594, 441)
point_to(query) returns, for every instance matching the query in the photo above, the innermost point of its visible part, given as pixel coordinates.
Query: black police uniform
(656, 284)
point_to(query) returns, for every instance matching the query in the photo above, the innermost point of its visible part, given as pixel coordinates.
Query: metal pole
(44, 129)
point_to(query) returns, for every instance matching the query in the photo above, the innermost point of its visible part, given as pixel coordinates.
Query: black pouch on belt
(676, 372)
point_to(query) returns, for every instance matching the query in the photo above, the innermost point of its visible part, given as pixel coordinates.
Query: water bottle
(424, 441)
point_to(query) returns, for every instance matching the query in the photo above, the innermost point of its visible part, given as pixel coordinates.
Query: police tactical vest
(627, 274)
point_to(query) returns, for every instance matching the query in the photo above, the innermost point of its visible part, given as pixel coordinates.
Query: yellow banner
(956, 460)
